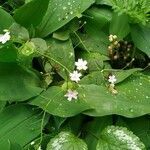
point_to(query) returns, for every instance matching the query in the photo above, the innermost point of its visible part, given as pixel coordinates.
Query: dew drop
(64, 8)
(131, 110)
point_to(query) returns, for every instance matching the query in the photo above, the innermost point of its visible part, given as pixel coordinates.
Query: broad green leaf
(60, 13)
(132, 99)
(61, 56)
(19, 33)
(119, 26)
(93, 41)
(66, 141)
(18, 83)
(54, 102)
(141, 38)
(19, 124)
(139, 126)
(94, 129)
(6, 20)
(31, 14)
(98, 17)
(119, 138)
(8, 53)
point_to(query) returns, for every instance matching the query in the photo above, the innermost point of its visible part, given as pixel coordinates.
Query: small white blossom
(75, 76)
(39, 148)
(81, 64)
(71, 95)
(5, 37)
(32, 143)
(112, 79)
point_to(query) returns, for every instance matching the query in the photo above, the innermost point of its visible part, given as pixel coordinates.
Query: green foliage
(116, 138)
(137, 10)
(74, 74)
(66, 140)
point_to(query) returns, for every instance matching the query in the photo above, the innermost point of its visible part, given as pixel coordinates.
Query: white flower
(71, 95)
(75, 76)
(32, 143)
(81, 64)
(5, 37)
(112, 79)
(39, 148)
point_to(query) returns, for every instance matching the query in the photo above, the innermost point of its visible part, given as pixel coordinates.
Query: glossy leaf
(116, 138)
(60, 13)
(66, 140)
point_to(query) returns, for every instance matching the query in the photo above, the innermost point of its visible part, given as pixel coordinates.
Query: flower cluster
(80, 65)
(114, 42)
(5, 37)
(75, 76)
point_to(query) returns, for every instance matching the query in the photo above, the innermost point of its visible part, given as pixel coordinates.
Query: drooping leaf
(19, 124)
(117, 138)
(31, 14)
(60, 13)
(6, 20)
(141, 38)
(18, 83)
(66, 140)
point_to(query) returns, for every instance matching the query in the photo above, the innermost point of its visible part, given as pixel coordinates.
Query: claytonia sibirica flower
(81, 64)
(5, 37)
(75, 76)
(71, 95)
(112, 79)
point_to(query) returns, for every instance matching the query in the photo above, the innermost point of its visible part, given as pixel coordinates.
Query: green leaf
(60, 13)
(141, 38)
(8, 53)
(132, 99)
(117, 138)
(61, 56)
(119, 26)
(31, 14)
(66, 140)
(19, 124)
(98, 17)
(19, 33)
(94, 129)
(18, 83)
(6, 20)
(93, 41)
(54, 102)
